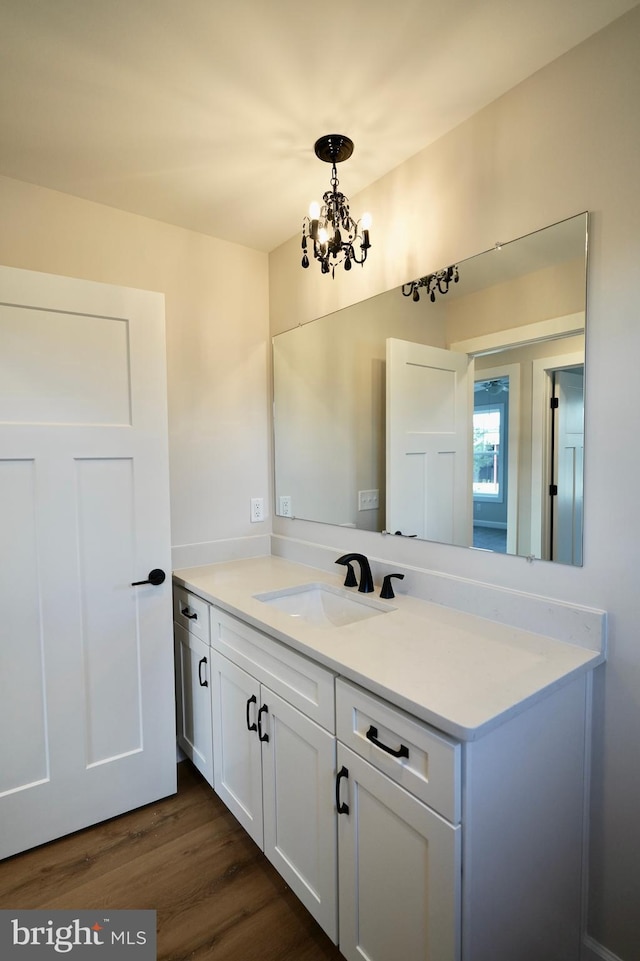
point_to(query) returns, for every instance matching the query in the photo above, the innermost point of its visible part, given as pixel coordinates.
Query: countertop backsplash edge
(574, 624)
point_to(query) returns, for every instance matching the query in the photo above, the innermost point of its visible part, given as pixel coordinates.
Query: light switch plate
(368, 500)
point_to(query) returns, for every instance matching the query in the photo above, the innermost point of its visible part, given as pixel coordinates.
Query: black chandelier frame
(336, 238)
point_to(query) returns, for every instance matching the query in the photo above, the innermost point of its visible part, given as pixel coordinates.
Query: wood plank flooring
(217, 897)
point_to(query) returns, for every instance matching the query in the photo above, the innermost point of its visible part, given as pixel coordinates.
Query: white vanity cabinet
(420, 783)
(468, 851)
(274, 748)
(193, 679)
(400, 858)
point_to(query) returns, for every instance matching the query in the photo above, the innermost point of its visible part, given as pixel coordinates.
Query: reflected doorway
(495, 518)
(567, 465)
(490, 455)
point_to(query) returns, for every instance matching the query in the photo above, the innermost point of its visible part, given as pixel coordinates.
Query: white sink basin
(322, 605)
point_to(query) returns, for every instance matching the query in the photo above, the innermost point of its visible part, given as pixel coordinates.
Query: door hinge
(553, 490)
(554, 403)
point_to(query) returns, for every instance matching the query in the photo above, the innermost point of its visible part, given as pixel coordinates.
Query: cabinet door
(238, 768)
(193, 700)
(300, 832)
(399, 865)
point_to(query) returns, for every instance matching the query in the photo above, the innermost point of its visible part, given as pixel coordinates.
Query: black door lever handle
(156, 577)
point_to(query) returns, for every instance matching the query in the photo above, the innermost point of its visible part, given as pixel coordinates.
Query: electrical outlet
(368, 500)
(284, 504)
(257, 510)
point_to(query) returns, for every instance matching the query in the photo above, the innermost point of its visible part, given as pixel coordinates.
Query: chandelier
(336, 238)
(433, 282)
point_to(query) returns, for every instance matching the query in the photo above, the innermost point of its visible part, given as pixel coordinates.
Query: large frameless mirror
(457, 417)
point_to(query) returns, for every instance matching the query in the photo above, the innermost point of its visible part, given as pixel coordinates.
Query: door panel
(46, 383)
(88, 725)
(25, 758)
(429, 406)
(111, 659)
(568, 512)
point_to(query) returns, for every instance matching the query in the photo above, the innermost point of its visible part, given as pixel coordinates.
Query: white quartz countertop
(462, 673)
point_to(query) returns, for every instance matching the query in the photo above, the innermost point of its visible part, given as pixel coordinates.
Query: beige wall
(566, 140)
(541, 295)
(330, 403)
(217, 341)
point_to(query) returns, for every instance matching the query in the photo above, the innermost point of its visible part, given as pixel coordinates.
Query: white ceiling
(204, 114)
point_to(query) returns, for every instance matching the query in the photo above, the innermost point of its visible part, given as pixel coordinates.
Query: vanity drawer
(191, 612)
(300, 681)
(419, 758)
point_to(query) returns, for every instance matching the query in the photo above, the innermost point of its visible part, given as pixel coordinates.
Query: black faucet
(366, 578)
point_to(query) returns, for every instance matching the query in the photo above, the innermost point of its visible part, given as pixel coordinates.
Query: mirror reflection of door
(557, 461)
(428, 475)
(567, 448)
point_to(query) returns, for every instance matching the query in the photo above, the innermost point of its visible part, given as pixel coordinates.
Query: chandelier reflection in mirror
(334, 236)
(433, 282)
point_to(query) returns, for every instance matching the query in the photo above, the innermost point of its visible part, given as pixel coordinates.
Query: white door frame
(540, 445)
(512, 371)
(554, 328)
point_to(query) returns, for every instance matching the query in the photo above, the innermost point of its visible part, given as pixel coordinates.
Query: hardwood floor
(216, 895)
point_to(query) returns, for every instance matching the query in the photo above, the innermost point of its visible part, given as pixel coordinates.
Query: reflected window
(489, 440)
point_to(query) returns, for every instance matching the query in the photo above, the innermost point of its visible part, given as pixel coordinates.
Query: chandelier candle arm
(325, 225)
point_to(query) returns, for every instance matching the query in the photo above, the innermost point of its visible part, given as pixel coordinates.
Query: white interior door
(87, 723)
(568, 510)
(429, 404)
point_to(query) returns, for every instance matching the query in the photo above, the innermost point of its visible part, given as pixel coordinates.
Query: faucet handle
(387, 588)
(350, 580)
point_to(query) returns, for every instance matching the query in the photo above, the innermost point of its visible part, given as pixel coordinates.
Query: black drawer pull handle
(372, 735)
(262, 736)
(252, 700)
(185, 613)
(342, 808)
(204, 683)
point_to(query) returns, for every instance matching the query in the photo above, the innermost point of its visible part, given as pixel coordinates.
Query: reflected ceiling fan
(493, 386)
